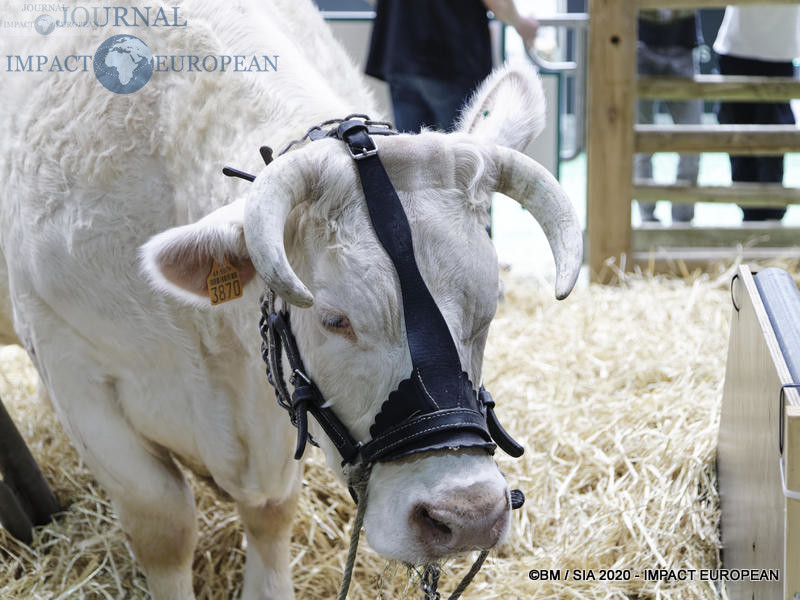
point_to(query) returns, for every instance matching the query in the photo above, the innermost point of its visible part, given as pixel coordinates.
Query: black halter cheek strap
(437, 406)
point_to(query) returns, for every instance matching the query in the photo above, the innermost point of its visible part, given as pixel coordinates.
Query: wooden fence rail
(732, 88)
(736, 139)
(745, 194)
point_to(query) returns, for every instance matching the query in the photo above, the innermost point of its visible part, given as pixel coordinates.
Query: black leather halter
(437, 406)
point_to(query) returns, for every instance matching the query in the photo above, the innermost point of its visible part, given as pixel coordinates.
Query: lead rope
(429, 580)
(357, 477)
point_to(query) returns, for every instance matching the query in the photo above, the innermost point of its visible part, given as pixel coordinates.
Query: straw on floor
(615, 394)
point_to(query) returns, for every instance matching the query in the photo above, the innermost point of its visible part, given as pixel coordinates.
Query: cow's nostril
(460, 520)
(434, 523)
(432, 530)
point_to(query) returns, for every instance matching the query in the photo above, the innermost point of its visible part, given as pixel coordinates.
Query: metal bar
(552, 66)
(704, 3)
(348, 15)
(575, 20)
(22, 473)
(13, 517)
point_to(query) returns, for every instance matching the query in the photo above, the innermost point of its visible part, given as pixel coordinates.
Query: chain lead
(430, 582)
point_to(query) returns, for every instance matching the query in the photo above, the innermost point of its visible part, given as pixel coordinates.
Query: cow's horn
(275, 192)
(530, 184)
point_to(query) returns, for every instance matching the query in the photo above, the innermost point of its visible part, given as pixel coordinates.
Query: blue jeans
(419, 101)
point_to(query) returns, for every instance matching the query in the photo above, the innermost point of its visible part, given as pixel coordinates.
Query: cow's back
(90, 175)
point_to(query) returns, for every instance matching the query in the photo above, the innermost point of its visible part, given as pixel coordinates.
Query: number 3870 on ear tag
(223, 283)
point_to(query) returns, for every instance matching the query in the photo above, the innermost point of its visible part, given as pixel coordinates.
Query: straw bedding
(615, 394)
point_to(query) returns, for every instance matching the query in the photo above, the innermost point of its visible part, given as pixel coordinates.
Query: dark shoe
(762, 214)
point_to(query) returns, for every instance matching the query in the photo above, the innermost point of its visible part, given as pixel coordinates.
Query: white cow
(143, 372)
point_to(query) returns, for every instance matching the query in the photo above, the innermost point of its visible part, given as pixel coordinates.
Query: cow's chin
(435, 505)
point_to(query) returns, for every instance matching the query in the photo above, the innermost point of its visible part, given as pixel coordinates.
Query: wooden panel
(720, 87)
(792, 553)
(681, 235)
(734, 139)
(751, 497)
(781, 301)
(610, 114)
(746, 194)
(704, 3)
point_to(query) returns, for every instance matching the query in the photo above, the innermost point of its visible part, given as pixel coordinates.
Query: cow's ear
(508, 108)
(179, 261)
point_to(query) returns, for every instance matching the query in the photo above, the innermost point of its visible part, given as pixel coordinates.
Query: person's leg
(643, 163)
(411, 109)
(743, 168)
(687, 112)
(764, 169)
(445, 99)
(769, 169)
(645, 114)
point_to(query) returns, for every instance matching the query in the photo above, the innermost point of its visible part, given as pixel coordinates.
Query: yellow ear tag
(223, 283)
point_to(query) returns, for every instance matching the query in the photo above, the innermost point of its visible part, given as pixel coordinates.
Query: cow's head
(304, 228)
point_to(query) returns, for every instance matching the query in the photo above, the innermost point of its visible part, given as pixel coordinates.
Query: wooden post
(611, 112)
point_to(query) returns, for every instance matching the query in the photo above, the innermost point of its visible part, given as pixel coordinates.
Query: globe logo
(123, 64)
(44, 24)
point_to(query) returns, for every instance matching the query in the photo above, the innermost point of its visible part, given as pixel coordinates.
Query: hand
(527, 27)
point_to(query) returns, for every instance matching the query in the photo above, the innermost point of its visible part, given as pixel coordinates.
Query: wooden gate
(613, 139)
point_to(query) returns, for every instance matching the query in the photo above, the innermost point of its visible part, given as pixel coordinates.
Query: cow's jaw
(436, 505)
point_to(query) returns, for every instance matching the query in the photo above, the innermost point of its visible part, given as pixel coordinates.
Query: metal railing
(571, 69)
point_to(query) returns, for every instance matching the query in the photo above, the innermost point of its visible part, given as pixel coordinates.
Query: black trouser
(765, 169)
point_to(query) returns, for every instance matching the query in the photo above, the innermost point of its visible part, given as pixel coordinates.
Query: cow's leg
(269, 531)
(159, 521)
(154, 503)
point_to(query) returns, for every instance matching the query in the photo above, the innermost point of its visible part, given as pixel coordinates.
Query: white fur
(137, 373)
(508, 108)
(415, 481)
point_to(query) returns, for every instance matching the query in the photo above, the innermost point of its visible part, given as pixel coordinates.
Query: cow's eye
(338, 324)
